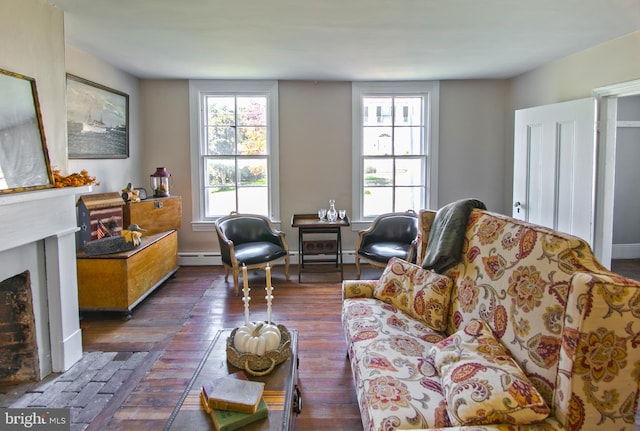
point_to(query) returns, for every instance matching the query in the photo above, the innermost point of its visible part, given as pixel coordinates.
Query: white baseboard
(625, 251)
(198, 259)
(202, 258)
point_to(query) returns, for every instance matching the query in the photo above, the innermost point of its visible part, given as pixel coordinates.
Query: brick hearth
(18, 349)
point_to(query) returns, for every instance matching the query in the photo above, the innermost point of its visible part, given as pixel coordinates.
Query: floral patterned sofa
(527, 332)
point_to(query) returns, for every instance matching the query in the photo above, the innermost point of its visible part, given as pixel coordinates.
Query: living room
(315, 130)
(475, 126)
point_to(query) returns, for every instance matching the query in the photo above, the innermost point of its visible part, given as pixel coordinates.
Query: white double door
(554, 179)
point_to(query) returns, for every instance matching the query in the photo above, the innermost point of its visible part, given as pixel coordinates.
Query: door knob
(517, 205)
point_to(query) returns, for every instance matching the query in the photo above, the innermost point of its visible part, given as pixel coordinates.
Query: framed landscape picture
(97, 120)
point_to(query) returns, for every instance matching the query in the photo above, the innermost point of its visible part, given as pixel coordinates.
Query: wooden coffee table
(281, 393)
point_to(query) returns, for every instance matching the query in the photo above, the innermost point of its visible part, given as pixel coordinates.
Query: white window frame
(198, 90)
(430, 90)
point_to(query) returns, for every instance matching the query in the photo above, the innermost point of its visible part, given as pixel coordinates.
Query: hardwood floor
(178, 321)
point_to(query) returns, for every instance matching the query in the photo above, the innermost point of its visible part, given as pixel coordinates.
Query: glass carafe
(332, 214)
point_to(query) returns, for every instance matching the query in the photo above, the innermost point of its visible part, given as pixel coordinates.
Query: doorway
(612, 114)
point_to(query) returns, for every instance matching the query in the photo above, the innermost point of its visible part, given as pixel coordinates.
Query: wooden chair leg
(358, 266)
(226, 272)
(286, 267)
(236, 273)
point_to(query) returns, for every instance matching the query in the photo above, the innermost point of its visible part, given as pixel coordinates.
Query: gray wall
(476, 120)
(574, 77)
(315, 147)
(113, 174)
(626, 212)
(32, 34)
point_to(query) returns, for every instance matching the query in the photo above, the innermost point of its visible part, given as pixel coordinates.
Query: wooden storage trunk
(99, 215)
(119, 281)
(155, 214)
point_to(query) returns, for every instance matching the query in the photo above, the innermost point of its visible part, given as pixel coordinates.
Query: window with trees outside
(236, 147)
(394, 147)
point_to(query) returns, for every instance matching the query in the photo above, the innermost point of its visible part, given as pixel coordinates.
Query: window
(394, 147)
(234, 143)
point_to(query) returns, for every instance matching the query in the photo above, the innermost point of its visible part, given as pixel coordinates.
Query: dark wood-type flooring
(178, 322)
(627, 267)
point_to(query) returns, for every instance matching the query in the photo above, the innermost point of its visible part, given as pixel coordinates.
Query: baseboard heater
(203, 258)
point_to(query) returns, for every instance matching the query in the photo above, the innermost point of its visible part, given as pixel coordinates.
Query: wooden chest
(155, 214)
(119, 281)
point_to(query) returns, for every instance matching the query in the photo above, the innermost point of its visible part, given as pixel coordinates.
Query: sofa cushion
(482, 383)
(420, 293)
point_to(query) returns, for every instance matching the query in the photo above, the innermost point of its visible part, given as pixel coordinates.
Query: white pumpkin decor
(257, 338)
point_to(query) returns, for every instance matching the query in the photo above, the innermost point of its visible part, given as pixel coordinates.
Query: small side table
(310, 224)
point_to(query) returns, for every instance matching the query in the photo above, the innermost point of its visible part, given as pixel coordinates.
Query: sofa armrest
(599, 369)
(358, 288)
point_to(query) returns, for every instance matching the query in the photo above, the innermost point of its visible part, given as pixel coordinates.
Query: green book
(226, 420)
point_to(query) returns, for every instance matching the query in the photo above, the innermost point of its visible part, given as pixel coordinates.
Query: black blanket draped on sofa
(444, 246)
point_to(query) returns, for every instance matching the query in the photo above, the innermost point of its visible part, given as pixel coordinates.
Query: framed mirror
(24, 159)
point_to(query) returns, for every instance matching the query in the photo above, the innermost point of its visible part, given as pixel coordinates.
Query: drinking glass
(322, 213)
(342, 214)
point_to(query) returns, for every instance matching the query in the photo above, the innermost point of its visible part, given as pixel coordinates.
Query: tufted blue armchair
(390, 235)
(252, 240)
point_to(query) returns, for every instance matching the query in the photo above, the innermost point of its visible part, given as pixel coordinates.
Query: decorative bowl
(263, 364)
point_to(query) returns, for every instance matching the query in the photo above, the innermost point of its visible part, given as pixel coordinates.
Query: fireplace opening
(18, 346)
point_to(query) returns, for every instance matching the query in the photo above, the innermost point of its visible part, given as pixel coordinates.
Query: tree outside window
(236, 157)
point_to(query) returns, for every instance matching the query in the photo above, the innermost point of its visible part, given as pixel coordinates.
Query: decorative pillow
(422, 294)
(481, 382)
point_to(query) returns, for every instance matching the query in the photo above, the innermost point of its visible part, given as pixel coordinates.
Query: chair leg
(236, 272)
(358, 266)
(286, 267)
(226, 273)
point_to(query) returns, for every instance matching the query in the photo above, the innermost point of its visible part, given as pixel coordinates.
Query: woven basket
(264, 364)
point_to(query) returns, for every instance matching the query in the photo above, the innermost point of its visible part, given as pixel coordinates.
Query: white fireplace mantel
(46, 220)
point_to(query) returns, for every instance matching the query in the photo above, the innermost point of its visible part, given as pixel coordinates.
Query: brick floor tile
(79, 367)
(80, 381)
(107, 371)
(115, 382)
(84, 396)
(52, 392)
(93, 408)
(101, 360)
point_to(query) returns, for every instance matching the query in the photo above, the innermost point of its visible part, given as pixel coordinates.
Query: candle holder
(259, 365)
(269, 296)
(246, 298)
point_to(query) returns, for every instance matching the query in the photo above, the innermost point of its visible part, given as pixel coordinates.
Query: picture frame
(24, 158)
(97, 120)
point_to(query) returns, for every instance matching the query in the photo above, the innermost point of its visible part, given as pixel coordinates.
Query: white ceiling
(341, 39)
